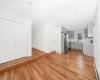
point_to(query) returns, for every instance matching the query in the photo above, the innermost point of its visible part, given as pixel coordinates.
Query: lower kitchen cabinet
(77, 45)
(88, 48)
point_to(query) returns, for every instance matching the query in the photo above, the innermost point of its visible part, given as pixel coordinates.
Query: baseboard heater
(96, 71)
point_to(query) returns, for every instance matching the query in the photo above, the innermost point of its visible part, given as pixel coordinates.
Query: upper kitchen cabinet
(88, 32)
(70, 34)
(85, 33)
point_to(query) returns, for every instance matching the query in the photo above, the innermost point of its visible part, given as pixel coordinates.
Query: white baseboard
(96, 71)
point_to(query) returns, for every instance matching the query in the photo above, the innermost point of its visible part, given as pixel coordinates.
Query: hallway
(71, 66)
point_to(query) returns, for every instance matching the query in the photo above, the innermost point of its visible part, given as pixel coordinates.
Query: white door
(21, 40)
(7, 41)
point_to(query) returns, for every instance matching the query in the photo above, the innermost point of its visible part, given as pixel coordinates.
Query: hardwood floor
(11, 64)
(71, 66)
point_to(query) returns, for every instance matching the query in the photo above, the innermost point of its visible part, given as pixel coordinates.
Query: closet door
(7, 41)
(21, 40)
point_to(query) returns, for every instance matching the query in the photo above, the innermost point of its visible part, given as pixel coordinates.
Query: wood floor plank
(51, 71)
(74, 67)
(75, 64)
(46, 70)
(62, 71)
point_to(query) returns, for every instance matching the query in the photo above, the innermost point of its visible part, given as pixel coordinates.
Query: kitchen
(80, 40)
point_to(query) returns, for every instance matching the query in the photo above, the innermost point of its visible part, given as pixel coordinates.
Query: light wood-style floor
(71, 66)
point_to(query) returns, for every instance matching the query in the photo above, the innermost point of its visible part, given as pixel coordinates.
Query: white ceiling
(72, 14)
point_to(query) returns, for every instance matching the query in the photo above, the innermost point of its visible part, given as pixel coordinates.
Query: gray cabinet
(77, 45)
(88, 49)
(70, 34)
(88, 32)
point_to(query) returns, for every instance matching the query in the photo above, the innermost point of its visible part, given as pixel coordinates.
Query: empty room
(49, 39)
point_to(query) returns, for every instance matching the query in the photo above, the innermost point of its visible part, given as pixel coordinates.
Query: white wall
(97, 39)
(58, 40)
(42, 37)
(29, 36)
(94, 41)
(39, 39)
(47, 38)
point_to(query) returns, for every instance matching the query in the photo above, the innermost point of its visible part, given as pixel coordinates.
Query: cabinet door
(21, 40)
(70, 34)
(7, 41)
(86, 33)
(90, 31)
